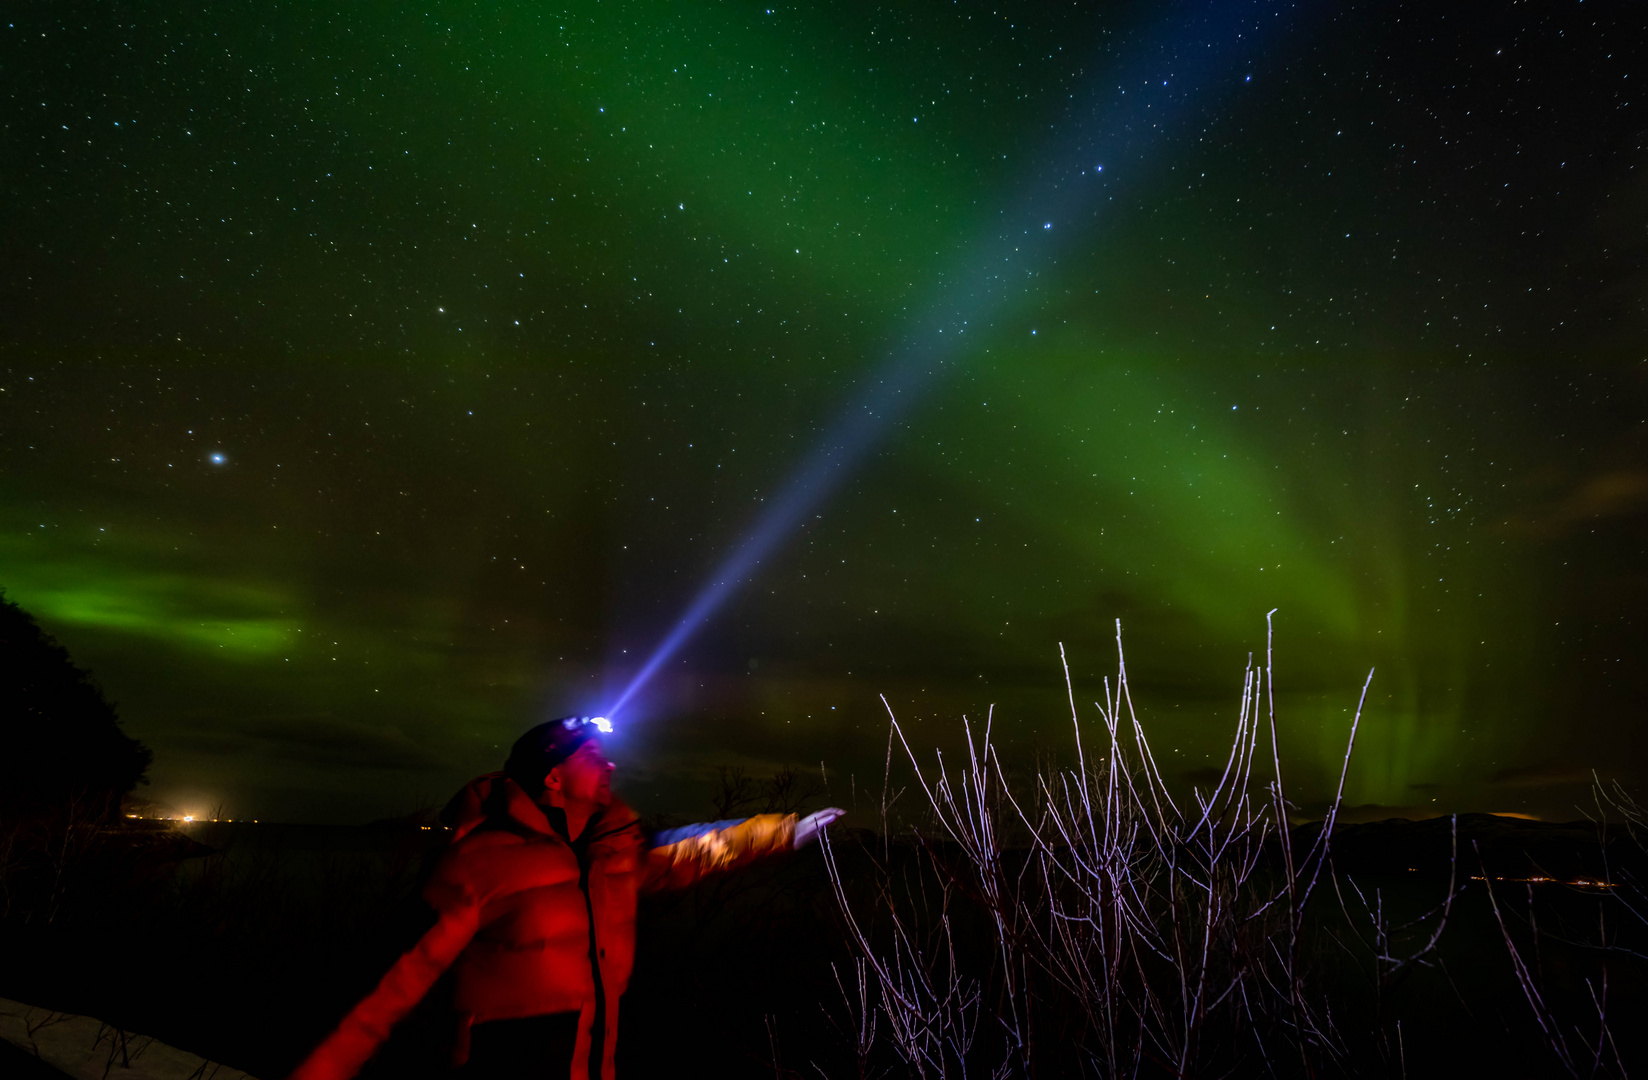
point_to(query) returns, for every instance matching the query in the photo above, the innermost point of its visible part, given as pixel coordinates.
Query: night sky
(377, 382)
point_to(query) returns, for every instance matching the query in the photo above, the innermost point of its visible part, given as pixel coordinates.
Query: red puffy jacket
(514, 910)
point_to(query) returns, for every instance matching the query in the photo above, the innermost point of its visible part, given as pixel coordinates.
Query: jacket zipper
(598, 1029)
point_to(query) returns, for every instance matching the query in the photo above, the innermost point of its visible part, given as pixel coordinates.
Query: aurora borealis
(374, 383)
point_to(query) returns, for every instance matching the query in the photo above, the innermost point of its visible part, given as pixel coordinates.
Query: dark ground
(16, 1064)
(248, 954)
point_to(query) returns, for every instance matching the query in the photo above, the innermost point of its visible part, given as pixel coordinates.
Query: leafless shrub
(1582, 1045)
(1153, 936)
(859, 1030)
(735, 791)
(1394, 951)
(54, 858)
(789, 792)
(1577, 1055)
(11, 865)
(784, 792)
(1627, 889)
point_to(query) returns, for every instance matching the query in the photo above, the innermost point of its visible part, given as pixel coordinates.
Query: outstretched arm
(683, 856)
(342, 1054)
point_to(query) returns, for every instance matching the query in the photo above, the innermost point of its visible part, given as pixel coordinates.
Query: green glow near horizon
(238, 621)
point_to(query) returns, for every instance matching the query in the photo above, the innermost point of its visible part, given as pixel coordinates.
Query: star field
(375, 382)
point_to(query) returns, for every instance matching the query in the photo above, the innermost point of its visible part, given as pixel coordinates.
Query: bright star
(217, 458)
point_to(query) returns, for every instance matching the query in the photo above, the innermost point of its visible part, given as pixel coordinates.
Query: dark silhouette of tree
(785, 792)
(60, 740)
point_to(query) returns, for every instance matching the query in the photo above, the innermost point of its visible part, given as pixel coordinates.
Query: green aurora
(503, 321)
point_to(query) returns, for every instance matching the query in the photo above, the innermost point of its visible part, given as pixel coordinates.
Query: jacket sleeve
(683, 856)
(342, 1054)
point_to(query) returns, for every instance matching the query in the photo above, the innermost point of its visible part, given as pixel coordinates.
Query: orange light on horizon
(1584, 883)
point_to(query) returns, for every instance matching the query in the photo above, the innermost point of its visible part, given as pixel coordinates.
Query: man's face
(585, 777)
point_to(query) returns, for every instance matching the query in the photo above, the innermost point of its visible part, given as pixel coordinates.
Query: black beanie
(546, 746)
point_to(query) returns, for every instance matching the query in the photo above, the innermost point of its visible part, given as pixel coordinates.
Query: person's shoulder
(494, 861)
(485, 846)
(495, 841)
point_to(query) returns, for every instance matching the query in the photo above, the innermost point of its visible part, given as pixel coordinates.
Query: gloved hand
(808, 828)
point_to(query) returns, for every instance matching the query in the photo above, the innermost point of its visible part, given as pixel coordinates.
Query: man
(535, 902)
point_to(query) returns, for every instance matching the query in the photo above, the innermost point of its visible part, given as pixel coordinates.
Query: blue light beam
(1198, 50)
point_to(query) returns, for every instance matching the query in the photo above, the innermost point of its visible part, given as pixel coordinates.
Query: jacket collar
(496, 796)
